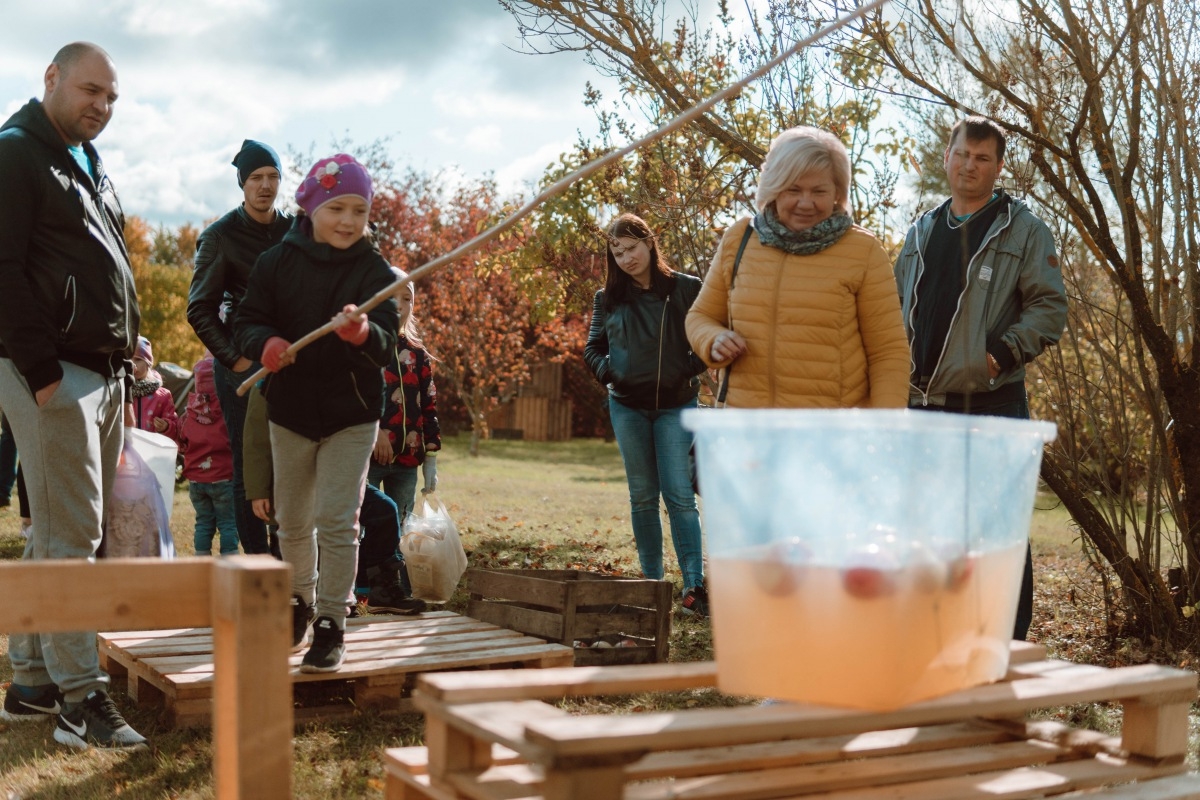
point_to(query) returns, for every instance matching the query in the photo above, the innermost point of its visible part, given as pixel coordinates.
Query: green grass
(519, 504)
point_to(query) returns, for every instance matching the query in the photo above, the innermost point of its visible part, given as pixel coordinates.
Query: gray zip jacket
(1013, 297)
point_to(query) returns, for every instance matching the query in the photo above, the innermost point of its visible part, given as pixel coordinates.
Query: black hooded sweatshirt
(66, 287)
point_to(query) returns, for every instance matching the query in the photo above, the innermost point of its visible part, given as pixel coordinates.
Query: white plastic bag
(432, 550)
(136, 523)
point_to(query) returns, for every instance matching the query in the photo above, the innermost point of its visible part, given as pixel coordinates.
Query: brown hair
(979, 129)
(617, 283)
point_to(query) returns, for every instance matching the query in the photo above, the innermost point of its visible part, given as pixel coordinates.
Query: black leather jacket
(66, 287)
(640, 349)
(225, 254)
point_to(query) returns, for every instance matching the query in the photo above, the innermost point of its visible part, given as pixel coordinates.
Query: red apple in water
(958, 571)
(776, 574)
(870, 574)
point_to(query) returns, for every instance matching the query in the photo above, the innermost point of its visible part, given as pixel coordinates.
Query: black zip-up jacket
(225, 254)
(295, 288)
(640, 349)
(66, 287)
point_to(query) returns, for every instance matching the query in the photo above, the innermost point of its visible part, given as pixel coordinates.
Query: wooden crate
(173, 669)
(494, 736)
(569, 606)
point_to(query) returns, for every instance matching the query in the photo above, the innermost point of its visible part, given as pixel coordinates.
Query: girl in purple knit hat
(324, 407)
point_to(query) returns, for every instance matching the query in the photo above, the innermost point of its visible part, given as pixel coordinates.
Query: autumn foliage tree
(162, 261)
(485, 319)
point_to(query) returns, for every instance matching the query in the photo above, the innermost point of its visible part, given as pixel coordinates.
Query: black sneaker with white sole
(328, 650)
(95, 722)
(24, 703)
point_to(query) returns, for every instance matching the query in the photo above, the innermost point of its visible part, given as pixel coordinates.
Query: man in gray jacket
(981, 293)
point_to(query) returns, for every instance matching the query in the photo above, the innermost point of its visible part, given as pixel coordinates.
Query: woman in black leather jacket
(638, 348)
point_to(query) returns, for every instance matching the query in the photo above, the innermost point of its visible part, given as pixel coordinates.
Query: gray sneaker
(96, 721)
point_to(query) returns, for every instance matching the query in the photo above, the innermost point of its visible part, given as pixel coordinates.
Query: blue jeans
(655, 446)
(1017, 409)
(213, 503)
(8, 461)
(397, 482)
(251, 530)
(380, 533)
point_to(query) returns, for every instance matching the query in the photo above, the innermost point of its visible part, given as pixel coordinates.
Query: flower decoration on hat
(328, 178)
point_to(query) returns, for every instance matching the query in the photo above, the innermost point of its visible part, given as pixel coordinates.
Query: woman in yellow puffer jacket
(811, 318)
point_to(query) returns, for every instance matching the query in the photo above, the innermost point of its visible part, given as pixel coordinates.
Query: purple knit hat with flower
(333, 177)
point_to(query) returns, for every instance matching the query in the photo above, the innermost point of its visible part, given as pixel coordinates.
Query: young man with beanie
(68, 326)
(225, 254)
(981, 294)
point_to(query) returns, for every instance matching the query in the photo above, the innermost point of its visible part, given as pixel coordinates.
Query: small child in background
(153, 405)
(208, 464)
(409, 435)
(323, 402)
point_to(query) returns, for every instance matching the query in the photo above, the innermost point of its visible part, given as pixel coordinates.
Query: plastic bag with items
(136, 521)
(432, 550)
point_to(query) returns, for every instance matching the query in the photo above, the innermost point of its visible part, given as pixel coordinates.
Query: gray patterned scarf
(826, 233)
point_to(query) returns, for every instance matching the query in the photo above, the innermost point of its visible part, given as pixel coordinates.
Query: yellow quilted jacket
(822, 331)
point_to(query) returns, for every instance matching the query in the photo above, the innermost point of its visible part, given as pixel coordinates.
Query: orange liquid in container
(864, 637)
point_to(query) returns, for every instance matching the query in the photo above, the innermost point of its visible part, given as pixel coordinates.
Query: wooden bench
(493, 736)
(243, 599)
(174, 668)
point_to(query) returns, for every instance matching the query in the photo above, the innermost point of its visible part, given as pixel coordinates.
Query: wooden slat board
(494, 736)
(174, 667)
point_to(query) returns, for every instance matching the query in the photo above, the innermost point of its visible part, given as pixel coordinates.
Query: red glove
(274, 354)
(354, 333)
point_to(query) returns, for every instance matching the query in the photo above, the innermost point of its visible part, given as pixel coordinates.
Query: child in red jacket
(153, 405)
(208, 464)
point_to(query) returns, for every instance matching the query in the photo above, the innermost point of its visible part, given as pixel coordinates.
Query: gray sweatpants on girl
(69, 450)
(318, 491)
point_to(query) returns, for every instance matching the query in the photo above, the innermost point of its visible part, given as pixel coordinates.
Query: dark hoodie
(295, 288)
(66, 287)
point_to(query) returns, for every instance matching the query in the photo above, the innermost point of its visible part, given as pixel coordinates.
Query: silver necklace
(951, 216)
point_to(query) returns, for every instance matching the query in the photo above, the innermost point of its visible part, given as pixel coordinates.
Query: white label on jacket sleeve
(985, 273)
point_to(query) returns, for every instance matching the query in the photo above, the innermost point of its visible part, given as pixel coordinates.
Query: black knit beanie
(255, 155)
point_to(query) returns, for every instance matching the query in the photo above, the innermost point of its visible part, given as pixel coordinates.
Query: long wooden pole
(562, 184)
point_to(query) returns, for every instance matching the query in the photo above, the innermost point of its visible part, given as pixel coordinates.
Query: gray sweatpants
(69, 450)
(318, 491)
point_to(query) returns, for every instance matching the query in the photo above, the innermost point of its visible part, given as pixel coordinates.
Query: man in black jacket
(225, 254)
(68, 325)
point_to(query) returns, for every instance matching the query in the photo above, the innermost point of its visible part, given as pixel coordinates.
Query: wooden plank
(122, 593)
(1176, 787)
(546, 624)
(595, 737)
(620, 592)
(1023, 652)
(634, 622)
(1156, 729)
(252, 705)
(662, 636)
(542, 590)
(1019, 784)
(844, 777)
(773, 755)
(470, 687)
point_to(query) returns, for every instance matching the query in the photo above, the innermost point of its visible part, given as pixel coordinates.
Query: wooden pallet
(492, 737)
(173, 669)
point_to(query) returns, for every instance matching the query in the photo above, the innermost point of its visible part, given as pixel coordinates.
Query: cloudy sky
(198, 76)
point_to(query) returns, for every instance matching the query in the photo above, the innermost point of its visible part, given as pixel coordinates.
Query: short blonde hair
(797, 152)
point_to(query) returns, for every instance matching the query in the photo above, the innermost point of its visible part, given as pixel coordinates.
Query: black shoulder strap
(737, 262)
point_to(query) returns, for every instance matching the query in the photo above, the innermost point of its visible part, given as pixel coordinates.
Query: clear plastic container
(861, 558)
